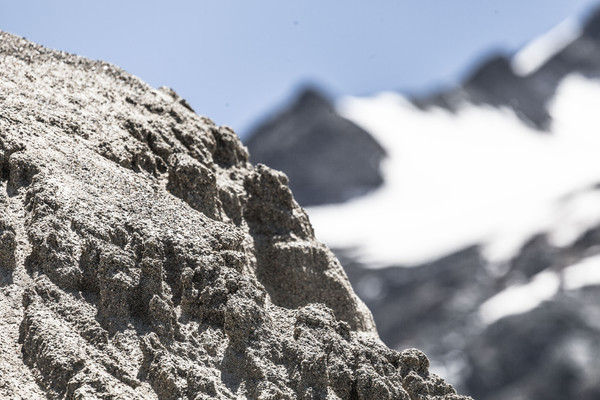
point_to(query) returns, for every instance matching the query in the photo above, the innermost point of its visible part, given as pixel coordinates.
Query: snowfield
(478, 176)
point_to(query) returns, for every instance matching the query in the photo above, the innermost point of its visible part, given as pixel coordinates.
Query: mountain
(327, 158)
(527, 83)
(482, 245)
(142, 256)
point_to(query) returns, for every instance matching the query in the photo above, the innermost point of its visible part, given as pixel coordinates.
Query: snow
(522, 298)
(539, 51)
(519, 299)
(574, 215)
(479, 176)
(585, 273)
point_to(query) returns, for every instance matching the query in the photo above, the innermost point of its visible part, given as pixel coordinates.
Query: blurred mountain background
(446, 151)
(470, 221)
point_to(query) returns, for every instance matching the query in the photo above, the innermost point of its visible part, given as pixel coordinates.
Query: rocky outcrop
(327, 158)
(143, 256)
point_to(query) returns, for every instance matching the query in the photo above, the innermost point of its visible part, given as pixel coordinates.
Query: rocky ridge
(143, 256)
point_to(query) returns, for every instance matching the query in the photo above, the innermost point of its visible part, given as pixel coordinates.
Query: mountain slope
(143, 256)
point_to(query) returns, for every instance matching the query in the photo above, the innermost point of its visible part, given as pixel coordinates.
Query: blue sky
(236, 60)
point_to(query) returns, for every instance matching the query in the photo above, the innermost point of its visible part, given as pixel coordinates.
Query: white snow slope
(476, 177)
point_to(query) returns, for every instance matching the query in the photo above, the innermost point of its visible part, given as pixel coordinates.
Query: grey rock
(327, 158)
(559, 336)
(143, 256)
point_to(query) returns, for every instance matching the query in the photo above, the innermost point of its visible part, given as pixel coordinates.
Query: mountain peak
(327, 158)
(311, 95)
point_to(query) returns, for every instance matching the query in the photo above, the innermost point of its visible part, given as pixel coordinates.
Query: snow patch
(575, 215)
(536, 53)
(585, 273)
(519, 299)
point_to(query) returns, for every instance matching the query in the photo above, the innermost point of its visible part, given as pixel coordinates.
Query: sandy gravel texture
(142, 256)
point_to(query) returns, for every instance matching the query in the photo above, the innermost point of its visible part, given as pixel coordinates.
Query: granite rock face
(143, 256)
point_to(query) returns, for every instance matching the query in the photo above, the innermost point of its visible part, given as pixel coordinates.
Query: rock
(558, 336)
(327, 158)
(143, 256)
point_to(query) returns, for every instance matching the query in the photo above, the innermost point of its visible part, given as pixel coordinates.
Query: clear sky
(236, 60)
